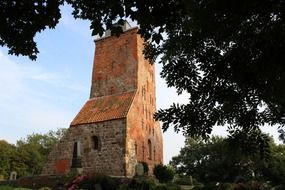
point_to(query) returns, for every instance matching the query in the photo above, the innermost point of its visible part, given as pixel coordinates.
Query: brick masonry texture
(115, 128)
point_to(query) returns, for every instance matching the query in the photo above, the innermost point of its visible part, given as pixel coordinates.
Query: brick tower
(115, 128)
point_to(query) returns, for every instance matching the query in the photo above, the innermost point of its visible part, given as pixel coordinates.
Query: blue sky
(46, 94)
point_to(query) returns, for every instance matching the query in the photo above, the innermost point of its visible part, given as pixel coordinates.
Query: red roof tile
(104, 108)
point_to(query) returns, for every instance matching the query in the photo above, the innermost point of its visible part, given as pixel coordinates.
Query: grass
(6, 187)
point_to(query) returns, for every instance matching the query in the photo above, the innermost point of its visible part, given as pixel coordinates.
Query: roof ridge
(109, 95)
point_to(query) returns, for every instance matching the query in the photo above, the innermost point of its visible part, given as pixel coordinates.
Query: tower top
(126, 26)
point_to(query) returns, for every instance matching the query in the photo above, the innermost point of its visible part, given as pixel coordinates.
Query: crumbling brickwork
(115, 129)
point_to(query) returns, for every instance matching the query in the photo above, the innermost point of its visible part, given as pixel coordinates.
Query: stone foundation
(108, 158)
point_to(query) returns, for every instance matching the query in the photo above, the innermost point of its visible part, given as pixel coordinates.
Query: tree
(6, 152)
(216, 161)
(33, 151)
(208, 161)
(275, 165)
(227, 55)
(28, 155)
(21, 20)
(282, 135)
(163, 173)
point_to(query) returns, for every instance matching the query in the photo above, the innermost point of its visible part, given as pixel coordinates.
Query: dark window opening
(149, 149)
(143, 151)
(96, 143)
(112, 90)
(136, 148)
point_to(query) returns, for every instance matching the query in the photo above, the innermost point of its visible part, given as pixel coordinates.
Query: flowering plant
(74, 184)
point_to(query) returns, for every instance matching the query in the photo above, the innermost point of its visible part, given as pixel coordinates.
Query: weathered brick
(119, 113)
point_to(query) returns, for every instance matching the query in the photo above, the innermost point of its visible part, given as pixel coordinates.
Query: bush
(45, 188)
(198, 187)
(226, 186)
(5, 187)
(183, 180)
(142, 183)
(163, 173)
(124, 187)
(161, 187)
(76, 182)
(223, 186)
(241, 186)
(70, 175)
(167, 187)
(106, 182)
(211, 186)
(279, 187)
(145, 167)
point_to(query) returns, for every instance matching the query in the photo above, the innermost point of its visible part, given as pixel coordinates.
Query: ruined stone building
(115, 128)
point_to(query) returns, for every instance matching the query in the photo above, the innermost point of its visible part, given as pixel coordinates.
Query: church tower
(115, 128)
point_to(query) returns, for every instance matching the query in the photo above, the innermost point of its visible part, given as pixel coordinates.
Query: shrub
(211, 186)
(163, 173)
(45, 188)
(76, 182)
(183, 180)
(106, 182)
(161, 187)
(123, 187)
(167, 187)
(5, 187)
(70, 175)
(145, 167)
(226, 186)
(198, 187)
(280, 187)
(240, 186)
(142, 183)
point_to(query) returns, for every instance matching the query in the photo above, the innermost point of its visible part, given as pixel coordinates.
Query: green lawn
(5, 187)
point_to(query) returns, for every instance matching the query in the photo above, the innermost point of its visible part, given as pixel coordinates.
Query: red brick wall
(119, 67)
(115, 65)
(141, 126)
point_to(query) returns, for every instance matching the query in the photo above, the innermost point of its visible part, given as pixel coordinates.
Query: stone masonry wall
(107, 159)
(119, 67)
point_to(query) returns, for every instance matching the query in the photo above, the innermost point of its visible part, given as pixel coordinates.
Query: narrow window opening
(112, 90)
(149, 149)
(143, 151)
(76, 159)
(136, 148)
(112, 65)
(96, 143)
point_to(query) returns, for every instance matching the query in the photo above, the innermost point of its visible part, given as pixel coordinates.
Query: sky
(46, 94)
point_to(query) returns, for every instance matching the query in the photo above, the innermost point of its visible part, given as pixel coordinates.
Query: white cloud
(27, 101)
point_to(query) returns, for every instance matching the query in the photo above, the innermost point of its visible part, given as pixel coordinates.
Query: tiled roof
(104, 108)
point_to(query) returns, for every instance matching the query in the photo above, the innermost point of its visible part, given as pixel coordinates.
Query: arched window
(96, 143)
(149, 149)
